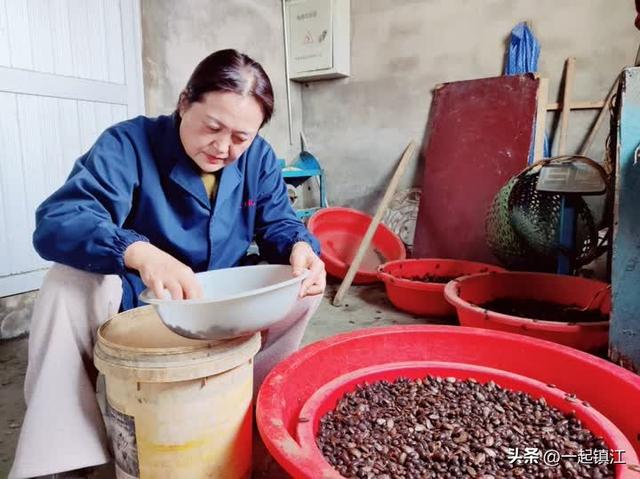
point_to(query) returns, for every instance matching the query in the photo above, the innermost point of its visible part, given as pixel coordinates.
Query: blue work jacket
(137, 184)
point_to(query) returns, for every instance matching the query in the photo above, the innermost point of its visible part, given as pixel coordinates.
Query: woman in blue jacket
(152, 202)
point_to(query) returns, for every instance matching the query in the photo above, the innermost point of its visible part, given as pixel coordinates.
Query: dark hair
(230, 70)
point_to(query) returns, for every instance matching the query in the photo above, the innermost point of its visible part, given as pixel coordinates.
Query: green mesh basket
(522, 225)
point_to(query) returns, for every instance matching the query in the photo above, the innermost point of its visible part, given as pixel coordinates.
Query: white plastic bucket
(176, 407)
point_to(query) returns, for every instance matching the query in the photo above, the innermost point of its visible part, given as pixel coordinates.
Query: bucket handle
(591, 304)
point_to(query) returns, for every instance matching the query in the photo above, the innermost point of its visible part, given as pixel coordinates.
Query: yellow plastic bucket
(176, 407)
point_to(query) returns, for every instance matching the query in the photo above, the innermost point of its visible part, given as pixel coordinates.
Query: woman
(152, 202)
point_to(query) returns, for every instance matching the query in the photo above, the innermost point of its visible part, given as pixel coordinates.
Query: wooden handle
(596, 125)
(393, 184)
(578, 105)
(566, 101)
(541, 117)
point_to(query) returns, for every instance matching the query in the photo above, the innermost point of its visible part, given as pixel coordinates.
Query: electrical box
(318, 33)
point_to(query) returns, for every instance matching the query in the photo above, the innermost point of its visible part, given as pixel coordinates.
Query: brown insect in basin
(446, 427)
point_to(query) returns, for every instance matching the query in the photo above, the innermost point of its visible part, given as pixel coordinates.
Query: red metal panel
(478, 136)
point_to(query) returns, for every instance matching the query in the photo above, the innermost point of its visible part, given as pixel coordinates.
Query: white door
(68, 70)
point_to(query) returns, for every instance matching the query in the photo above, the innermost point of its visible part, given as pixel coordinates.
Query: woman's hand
(159, 271)
(302, 257)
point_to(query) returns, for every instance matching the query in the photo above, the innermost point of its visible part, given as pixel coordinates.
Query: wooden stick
(566, 100)
(541, 114)
(596, 125)
(578, 105)
(393, 184)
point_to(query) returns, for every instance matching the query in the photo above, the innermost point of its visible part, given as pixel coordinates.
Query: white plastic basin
(236, 302)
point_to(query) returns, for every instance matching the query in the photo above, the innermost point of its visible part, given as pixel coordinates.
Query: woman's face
(218, 129)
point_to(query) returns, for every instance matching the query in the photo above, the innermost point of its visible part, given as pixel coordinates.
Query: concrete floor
(363, 307)
(13, 363)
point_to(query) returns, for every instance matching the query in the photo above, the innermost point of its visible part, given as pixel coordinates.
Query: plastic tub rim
(389, 278)
(452, 295)
(147, 298)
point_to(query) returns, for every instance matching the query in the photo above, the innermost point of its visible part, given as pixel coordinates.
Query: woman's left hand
(303, 257)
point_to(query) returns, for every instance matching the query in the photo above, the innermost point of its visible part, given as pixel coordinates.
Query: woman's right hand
(159, 271)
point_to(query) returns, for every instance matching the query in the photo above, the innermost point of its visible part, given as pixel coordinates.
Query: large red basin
(613, 391)
(326, 398)
(340, 232)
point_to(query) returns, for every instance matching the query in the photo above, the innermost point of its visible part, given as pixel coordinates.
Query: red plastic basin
(418, 297)
(340, 232)
(326, 398)
(611, 390)
(468, 292)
